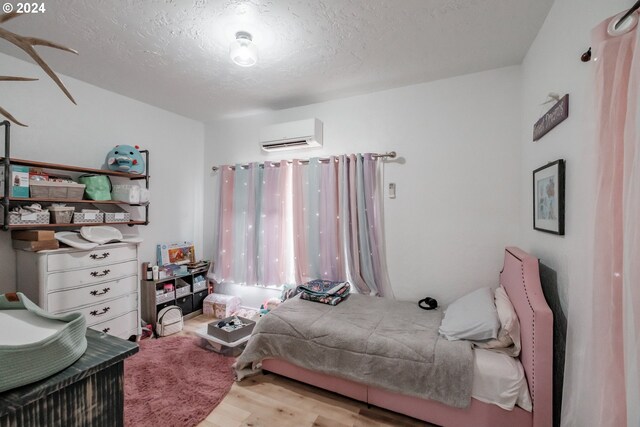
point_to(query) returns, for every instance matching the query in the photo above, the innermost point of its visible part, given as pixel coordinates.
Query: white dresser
(102, 283)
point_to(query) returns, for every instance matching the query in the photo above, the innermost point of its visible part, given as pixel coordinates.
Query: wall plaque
(552, 118)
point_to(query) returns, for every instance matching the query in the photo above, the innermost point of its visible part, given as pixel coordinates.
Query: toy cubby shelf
(190, 302)
(6, 201)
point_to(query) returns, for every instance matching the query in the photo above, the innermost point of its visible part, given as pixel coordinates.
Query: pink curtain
(601, 385)
(224, 251)
(301, 255)
(272, 255)
(631, 241)
(338, 222)
(292, 222)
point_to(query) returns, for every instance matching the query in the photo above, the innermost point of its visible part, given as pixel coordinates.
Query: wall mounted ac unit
(292, 135)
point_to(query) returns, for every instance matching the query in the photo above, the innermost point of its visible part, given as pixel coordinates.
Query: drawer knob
(106, 330)
(104, 255)
(98, 293)
(97, 313)
(99, 274)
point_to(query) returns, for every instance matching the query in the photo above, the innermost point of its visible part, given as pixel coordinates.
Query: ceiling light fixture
(243, 51)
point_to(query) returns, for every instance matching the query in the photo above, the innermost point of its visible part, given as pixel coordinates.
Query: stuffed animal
(269, 305)
(272, 303)
(125, 158)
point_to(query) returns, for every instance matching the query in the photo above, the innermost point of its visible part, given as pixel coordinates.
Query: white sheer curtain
(601, 386)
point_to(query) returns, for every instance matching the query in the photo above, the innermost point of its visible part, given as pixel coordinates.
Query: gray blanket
(375, 341)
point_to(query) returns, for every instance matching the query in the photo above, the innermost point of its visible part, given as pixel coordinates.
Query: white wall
(61, 132)
(553, 65)
(457, 192)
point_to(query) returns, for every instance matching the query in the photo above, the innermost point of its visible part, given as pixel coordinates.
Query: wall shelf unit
(72, 201)
(48, 226)
(7, 201)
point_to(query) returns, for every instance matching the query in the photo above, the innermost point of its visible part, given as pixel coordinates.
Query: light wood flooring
(274, 401)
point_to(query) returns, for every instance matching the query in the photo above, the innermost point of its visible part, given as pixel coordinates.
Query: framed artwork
(548, 198)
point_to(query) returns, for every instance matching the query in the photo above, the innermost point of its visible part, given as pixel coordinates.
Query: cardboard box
(18, 181)
(234, 335)
(33, 235)
(36, 246)
(176, 253)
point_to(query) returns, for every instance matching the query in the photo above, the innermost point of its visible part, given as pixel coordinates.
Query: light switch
(392, 190)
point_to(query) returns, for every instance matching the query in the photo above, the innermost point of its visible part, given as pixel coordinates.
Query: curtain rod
(390, 155)
(586, 57)
(628, 14)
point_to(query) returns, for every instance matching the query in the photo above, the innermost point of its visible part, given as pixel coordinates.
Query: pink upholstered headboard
(521, 279)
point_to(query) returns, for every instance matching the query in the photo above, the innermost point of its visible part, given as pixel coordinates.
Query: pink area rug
(174, 382)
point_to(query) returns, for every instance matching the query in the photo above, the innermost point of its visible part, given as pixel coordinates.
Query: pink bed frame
(521, 279)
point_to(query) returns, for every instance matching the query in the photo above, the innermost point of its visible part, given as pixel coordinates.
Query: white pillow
(471, 317)
(508, 340)
(499, 379)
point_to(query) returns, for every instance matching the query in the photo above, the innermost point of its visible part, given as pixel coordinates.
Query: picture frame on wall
(548, 197)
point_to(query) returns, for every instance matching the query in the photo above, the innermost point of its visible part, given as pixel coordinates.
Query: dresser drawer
(120, 326)
(86, 276)
(108, 310)
(90, 295)
(95, 258)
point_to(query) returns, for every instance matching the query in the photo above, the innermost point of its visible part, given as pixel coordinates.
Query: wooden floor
(274, 401)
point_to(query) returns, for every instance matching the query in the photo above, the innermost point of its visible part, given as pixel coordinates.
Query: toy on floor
(125, 158)
(269, 305)
(248, 313)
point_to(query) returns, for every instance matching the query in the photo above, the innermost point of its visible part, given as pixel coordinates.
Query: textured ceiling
(174, 53)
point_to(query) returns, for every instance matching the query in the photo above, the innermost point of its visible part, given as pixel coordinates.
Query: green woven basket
(27, 363)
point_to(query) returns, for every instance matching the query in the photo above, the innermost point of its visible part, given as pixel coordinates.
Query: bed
(520, 278)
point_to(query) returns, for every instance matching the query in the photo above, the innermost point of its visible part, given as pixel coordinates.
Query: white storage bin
(36, 218)
(88, 218)
(113, 213)
(130, 193)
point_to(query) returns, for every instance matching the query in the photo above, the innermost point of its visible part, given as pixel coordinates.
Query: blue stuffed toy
(125, 158)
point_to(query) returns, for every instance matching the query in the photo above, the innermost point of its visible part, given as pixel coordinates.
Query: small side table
(89, 393)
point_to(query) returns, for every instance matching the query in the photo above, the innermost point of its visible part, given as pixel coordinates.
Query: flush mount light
(243, 50)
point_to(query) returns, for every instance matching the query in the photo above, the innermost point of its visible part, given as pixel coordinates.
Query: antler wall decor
(27, 44)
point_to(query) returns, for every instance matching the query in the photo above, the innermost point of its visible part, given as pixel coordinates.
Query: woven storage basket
(113, 213)
(61, 214)
(85, 218)
(56, 190)
(117, 217)
(199, 285)
(166, 297)
(182, 288)
(40, 218)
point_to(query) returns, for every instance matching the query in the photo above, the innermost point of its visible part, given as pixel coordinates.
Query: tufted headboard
(521, 279)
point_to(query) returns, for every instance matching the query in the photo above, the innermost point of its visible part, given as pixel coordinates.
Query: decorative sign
(556, 115)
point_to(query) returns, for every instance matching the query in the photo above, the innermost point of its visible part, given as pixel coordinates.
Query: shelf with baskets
(186, 291)
(8, 221)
